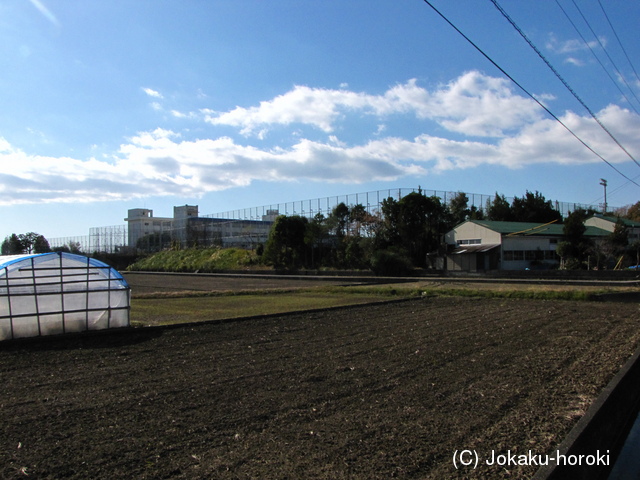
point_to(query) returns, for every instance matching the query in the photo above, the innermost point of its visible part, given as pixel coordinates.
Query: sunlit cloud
(491, 125)
(474, 104)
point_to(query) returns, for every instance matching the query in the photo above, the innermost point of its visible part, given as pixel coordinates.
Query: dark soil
(145, 283)
(372, 392)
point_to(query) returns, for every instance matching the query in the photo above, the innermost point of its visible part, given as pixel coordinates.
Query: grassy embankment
(198, 259)
(184, 307)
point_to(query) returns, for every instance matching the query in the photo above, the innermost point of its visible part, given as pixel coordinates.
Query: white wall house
(609, 224)
(483, 245)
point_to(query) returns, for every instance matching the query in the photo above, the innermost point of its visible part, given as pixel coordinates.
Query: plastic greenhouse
(56, 293)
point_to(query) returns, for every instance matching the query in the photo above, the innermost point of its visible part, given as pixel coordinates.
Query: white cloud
(570, 49)
(492, 125)
(313, 106)
(152, 93)
(336, 141)
(474, 104)
(563, 47)
(574, 61)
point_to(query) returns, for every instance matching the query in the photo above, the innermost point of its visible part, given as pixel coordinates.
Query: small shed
(56, 293)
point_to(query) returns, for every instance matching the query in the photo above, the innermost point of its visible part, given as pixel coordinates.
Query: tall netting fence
(110, 239)
(370, 200)
(248, 227)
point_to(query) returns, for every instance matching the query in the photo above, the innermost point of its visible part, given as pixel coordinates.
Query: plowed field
(145, 283)
(369, 392)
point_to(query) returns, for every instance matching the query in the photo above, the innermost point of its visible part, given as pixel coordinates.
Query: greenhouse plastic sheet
(58, 293)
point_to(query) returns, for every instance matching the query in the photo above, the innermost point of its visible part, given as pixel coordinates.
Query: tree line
(403, 234)
(407, 233)
(27, 243)
(31, 242)
(577, 251)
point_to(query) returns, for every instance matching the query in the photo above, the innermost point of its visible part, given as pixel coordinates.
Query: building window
(528, 255)
(474, 241)
(550, 255)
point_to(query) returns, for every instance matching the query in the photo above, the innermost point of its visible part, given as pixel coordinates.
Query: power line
(615, 190)
(564, 82)
(608, 56)
(618, 38)
(526, 91)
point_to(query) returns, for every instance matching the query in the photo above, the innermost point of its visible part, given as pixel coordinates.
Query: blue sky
(227, 104)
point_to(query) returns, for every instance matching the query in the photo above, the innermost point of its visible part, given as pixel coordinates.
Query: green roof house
(484, 245)
(609, 223)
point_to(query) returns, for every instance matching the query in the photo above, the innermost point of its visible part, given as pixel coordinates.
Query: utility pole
(603, 182)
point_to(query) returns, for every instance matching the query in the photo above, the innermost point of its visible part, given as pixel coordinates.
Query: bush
(574, 264)
(390, 263)
(197, 259)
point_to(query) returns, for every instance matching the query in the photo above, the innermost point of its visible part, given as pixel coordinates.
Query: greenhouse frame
(58, 293)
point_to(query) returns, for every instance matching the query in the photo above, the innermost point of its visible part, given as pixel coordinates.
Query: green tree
(316, 239)
(499, 209)
(389, 233)
(286, 246)
(533, 207)
(25, 243)
(29, 241)
(12, 245)
(411, 227)
(357, 218)
(352, 226)
(422, 220)
(618, 240)
(476, 213)
(459, 208)
(338, 220)
(633, 213)
(354, 255)
(69, 247)
(41, 245)
(575, 246)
